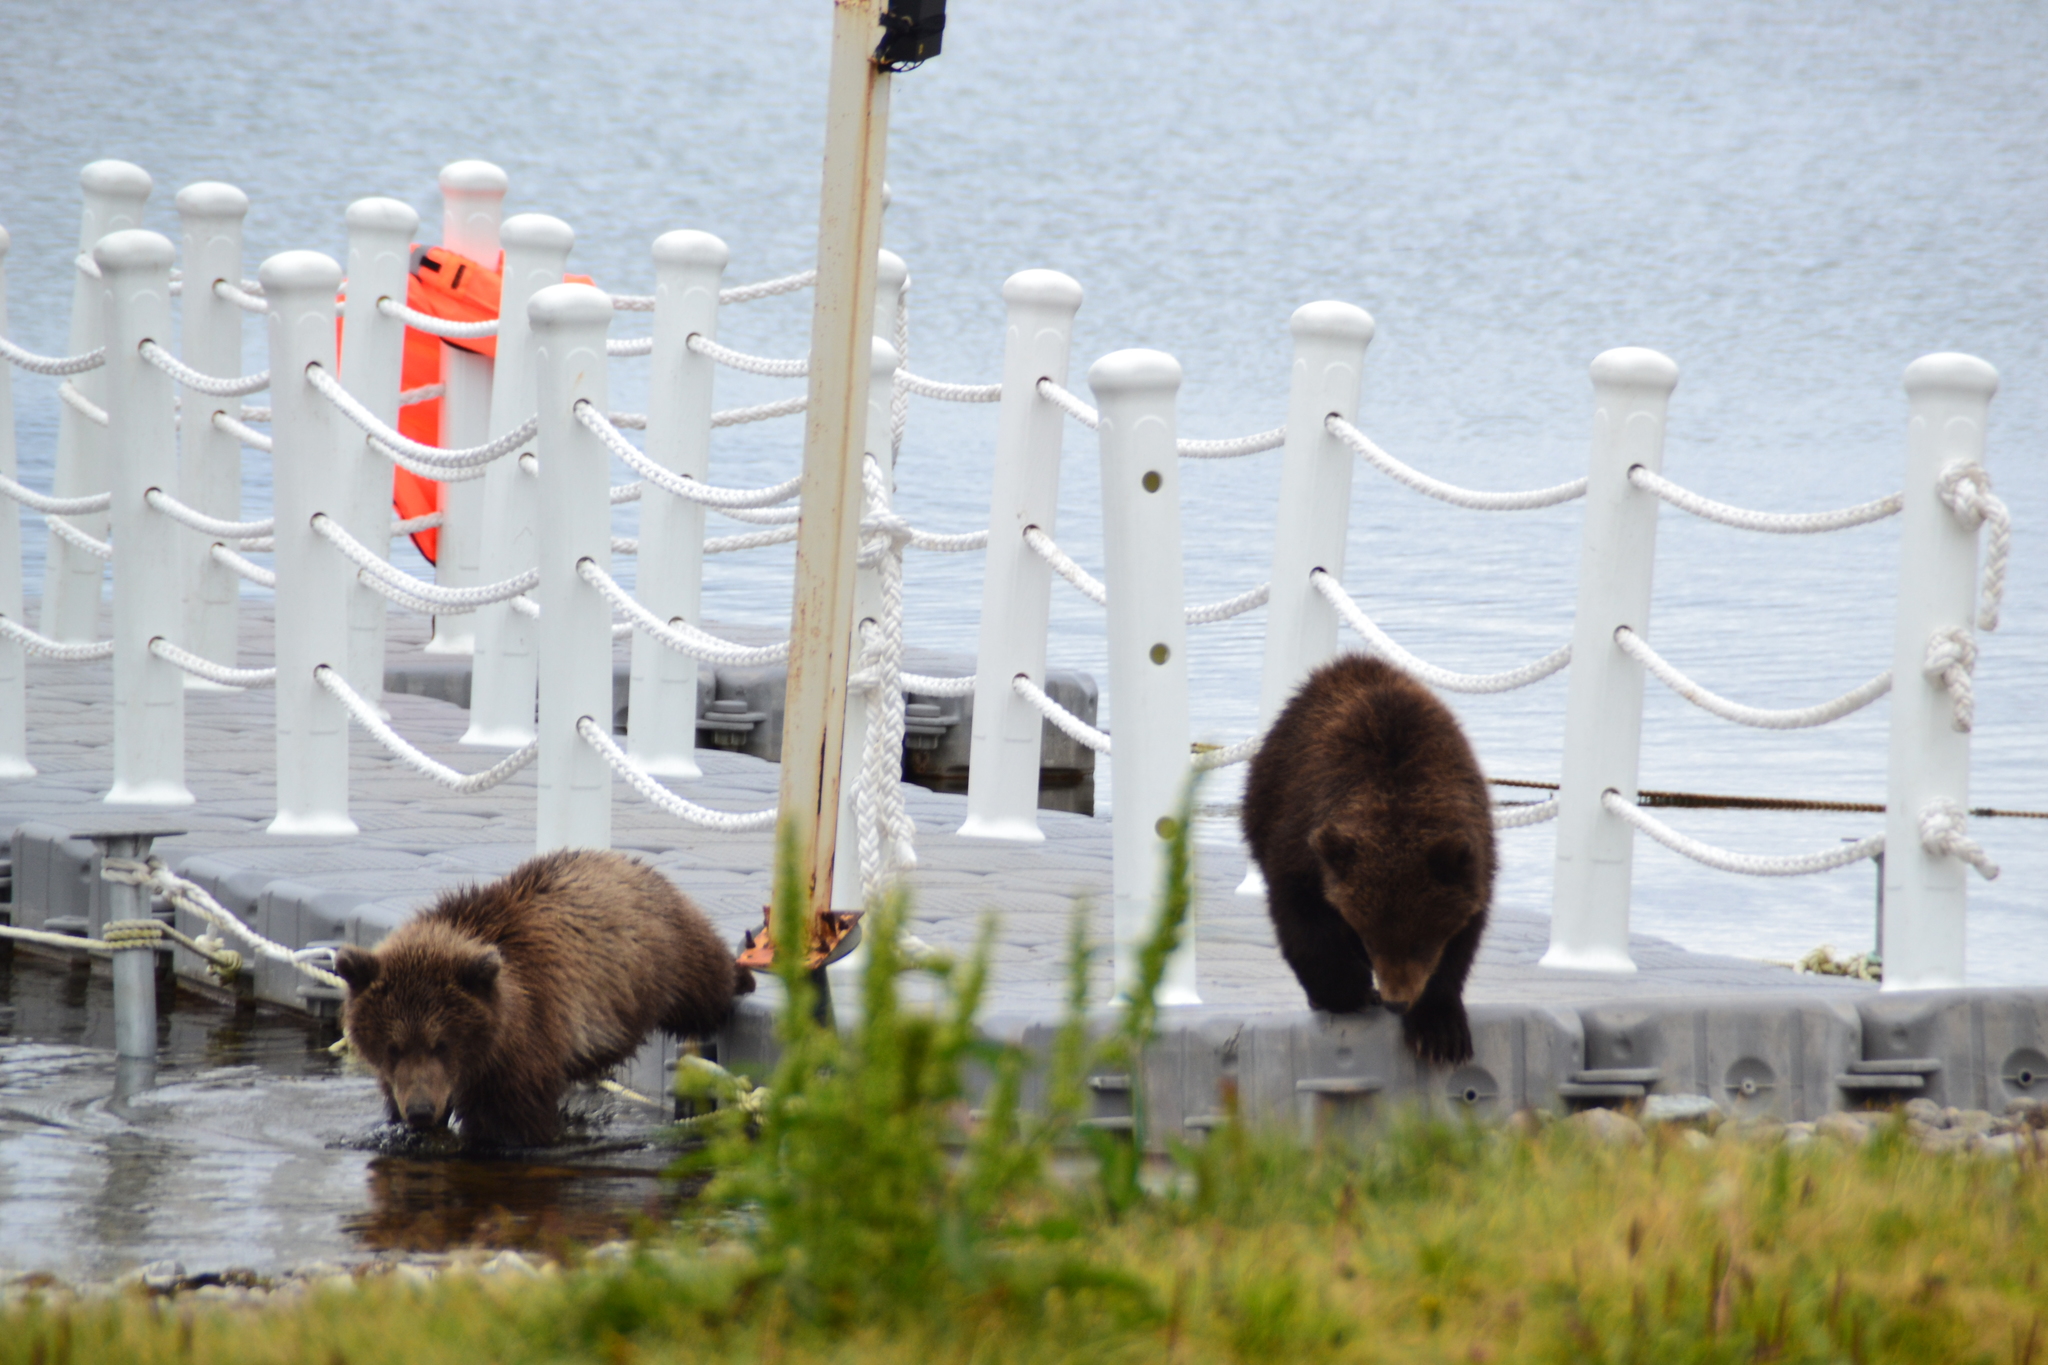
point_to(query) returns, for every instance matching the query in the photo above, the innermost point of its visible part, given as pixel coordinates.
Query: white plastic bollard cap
(212, 199)
(1048, 288)
(133, 250)
(540, 231)
(1951, 372)
(292, 272)
(1635, 367)
(1135, 371)
(885, 360)
(378, 214)
(690, 248)
(473, 177)
(116, 179)
(1331, 320)
(890, 272)
(567, 305)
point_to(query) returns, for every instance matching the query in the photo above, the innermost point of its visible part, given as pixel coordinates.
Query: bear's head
(1405, 892)
(422, 1013)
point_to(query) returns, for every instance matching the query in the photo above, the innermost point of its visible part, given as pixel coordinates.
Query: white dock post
(142, 448)
(1016, 593)
(1148, 667)
(114, 195)
(472, 200)
(569, 323)
(380, 235)
(313, 579)
(502, 676)
(661, 701)
(1314, 516)
(14, 764)
(847, 890)
(210, 460)
(1926, 893)
(1603, 725)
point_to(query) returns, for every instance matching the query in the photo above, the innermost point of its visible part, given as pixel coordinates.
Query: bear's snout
(421, 1115)
(421, 1091)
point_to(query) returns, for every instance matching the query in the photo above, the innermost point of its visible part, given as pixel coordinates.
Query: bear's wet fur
(1373, 825)
(488, 1005)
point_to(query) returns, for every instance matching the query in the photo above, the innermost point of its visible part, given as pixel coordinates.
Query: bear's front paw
(1438, 1032)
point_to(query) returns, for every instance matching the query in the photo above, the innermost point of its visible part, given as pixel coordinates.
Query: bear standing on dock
(1372, 823)
(488, 1005)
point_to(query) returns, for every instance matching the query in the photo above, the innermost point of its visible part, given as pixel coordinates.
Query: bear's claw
(1438, 1033)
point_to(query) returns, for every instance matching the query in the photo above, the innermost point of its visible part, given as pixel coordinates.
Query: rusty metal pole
(828, 534)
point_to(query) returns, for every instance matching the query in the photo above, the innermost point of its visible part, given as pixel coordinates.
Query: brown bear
(1372, 823)
(486, 1006)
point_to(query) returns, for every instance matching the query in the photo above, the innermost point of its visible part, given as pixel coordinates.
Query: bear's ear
(1450, 860)
(1338, 851)
(356, 967)
(479, 975)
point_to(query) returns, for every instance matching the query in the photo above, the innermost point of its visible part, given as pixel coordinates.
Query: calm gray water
(1793, 200)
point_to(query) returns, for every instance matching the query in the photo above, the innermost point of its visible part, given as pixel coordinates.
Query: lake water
(1793, 200)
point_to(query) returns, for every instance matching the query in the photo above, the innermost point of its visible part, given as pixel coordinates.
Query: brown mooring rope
(1709, 801)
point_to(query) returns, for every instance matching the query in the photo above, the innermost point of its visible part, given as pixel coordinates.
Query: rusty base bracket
(834, 934)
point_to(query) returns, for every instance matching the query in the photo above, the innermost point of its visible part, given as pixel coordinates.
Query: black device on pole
(911, 33)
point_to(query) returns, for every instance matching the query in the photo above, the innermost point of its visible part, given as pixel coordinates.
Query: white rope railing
(1470, 498)
(1249, 600)
(784, 284)
(1776, 523)
(1353, 616)
(948, 393)
(63, 507)
(925, 685)
(55, 366)
(958, 542)
(425, 393)
(526, 607)
(446, 599)
(1066, 402)
(433, 326)
(252, 413)
(664, 800)
(628, 346)
(1069, 724)
(1637, 648)
(1966, 490)
(751, 540)
(200, 382)
(394, 443)
(682, 485)
(627, 421)
(1952, 658)
(751, 364)
(762, 516)
(71, 396)
(632, 303)
(1047, 549)
(1231, 448)
(247, 435)
(199, 521)
(1517, 817)
(678, 635)
(77, 539)
(760, 412)
(44, 647)
(430, 521)
(240, 296)
(206, 668)
(1210, 759)
(234, 563)
(461, 783)
(1747, 864)
(1942, 827)
(195, 899)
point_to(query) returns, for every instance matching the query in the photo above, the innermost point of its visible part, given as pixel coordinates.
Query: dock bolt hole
(1160, 654)
(2025, 1079)
(1748, 1086)
(1151, 481)
(1470, 1094)
(1167, 827)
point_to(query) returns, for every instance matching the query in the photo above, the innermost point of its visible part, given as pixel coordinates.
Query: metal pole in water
(828, 535)
(134, 934)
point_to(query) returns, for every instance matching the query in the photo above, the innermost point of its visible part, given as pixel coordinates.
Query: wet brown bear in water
(1372, 823)
(486, 1006)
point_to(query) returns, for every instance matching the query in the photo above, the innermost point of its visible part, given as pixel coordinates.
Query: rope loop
(1047, 549)
(636, 777)
(1333, 592)
(205, 668)
(1942, 832)
(1469, 498)
(681, 485)
(70, 507)
(55, 366)
(438, 463)
(1076, 729)
(1965, 487)
(199, 382)
(1776, 523)
(1065, 401)
(195, 899)
(1747, 864)
(785, 284)
(433, 326)
(464, 784)
(1952, 657)
(1517, 817)
(1637, 648)
(132, 933)
(750, 364)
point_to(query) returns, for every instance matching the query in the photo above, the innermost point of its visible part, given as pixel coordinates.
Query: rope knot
(1952, 657)
(1942, 832)
(132, 933)
(1965, 488)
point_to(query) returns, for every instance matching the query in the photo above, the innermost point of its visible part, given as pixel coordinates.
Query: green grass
(861, 1215)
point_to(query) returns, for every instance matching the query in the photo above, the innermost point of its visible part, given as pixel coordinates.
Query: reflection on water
(246, 1144)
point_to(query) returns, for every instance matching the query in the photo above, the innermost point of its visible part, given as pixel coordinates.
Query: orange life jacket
(447, 285)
